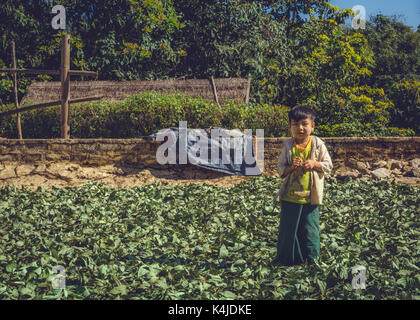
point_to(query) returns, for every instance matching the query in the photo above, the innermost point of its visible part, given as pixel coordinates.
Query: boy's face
(302, 129)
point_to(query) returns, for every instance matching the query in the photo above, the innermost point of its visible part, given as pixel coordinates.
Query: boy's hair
(301, 112)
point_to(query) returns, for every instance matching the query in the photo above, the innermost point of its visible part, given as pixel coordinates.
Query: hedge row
(144, 114)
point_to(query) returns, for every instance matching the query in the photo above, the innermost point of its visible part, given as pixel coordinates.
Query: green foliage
(203, 242)
(146, 113)
(126, 39)
(396, 50)
(357, 129)
(6, 85)
(272, 118)
(370, 105)
(143, 114)
(231, 38)
(406, 98)
(6, 89)
(324, 59)
(356, 111)
(295, 52)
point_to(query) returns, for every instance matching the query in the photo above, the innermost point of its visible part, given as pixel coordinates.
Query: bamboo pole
(248, 90)
(65, 86)
(15, 91)
(53, 72)
(213, 84)
(83, 73)
(48, 104)
(64, 73)
(29, 71)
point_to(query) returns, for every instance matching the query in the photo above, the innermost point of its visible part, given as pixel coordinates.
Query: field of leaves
(204, 242)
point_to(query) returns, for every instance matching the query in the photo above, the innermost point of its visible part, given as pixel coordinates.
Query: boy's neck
(302, 140)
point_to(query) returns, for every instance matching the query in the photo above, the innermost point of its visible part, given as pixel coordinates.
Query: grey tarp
(221, 145)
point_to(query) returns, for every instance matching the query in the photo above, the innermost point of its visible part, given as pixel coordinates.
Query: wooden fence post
(213, 84)
(65, 86)
(15, 91)
(65, 74)
(248, 90)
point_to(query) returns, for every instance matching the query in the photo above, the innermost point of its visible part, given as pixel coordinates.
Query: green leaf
(229, 294)
(26, 291)
(223, 252)
(103, 269)
(120, 290)
(20, 243)
(10, 267)
(224, 258)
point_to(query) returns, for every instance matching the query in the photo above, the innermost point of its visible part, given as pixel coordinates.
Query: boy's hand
(297, 162)
(310, 164)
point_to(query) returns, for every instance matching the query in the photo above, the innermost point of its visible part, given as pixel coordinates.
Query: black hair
(301, 112)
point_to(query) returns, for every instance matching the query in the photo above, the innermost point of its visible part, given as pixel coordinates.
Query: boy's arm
(324, 165)
(282, 165)
(325, 160)
(315, 166)
(287, 171)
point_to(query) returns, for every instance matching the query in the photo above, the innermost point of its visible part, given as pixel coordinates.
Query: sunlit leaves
(204, 242)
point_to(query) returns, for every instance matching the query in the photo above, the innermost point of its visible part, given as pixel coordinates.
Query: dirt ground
(64, 174)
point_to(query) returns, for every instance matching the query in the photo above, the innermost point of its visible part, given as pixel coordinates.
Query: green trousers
(298, 238)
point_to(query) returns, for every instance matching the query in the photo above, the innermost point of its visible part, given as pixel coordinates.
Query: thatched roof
(229, 88)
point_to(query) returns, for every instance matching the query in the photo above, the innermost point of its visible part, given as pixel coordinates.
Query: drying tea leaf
(204, 242)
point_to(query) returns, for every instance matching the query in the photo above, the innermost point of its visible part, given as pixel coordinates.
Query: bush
(356, 111)
(6, 84)
(272, 118)
(406, 98)
(144, 114)
(356, 129)
(360, 112)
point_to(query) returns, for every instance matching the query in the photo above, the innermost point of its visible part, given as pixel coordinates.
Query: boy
(303, 161)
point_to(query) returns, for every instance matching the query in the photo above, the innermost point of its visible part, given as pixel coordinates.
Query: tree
(122, 39)
(228, 38)
(396, 49)
(406, 97)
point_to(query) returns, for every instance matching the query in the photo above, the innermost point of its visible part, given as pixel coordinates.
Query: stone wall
(142, 153)
(84, 151)
(346, 151)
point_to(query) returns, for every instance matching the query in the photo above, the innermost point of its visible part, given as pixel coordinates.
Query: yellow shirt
(298, 187)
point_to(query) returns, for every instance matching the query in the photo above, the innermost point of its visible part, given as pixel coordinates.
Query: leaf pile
(204, 242)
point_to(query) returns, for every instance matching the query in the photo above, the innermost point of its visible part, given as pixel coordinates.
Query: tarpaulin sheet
(218, 149)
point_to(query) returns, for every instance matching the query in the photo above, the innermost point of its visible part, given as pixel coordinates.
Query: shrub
(143, 114)
(355, 111)
(357, 129)
(272, 118)
(146, 113)
(406, 98)
(234, 115)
